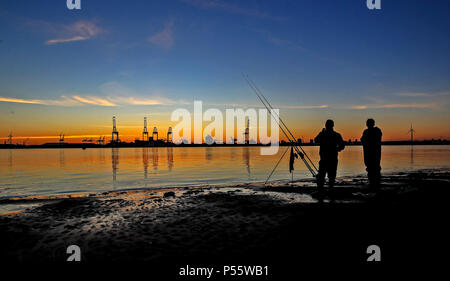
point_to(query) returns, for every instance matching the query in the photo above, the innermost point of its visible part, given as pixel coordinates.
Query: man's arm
(318, 137)
(380, 135)
(341, 144)
(364, 137)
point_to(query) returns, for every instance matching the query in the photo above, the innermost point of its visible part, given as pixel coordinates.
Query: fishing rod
(278, 163)
(300, 151)
(281, 120)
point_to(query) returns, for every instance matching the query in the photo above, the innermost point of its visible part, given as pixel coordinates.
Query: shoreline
(233, 223)
(280, 225)
(307, 184)
(171, 145)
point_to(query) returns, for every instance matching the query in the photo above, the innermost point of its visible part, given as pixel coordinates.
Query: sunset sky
(70, 71)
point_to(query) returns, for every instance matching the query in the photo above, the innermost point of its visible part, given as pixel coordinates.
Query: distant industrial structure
(412, 132)
(155, 141)
(145, 132)
(247, 133)
(155, 132)
(169, 135)
(115, 133)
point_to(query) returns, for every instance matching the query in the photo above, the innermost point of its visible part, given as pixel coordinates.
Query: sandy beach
(279, 224)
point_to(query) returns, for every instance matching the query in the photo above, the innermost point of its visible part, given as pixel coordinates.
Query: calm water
(54, 171)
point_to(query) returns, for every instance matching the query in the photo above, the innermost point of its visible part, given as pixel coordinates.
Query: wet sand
(279, 224)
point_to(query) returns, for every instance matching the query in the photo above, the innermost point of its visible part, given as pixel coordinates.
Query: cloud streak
(421, 95)
(78, 31)
(164, 38)
(396, 106)
(78, 100)
(93, 100)
(14, 100)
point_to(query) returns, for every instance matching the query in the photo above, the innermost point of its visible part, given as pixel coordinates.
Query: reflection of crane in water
(208, 154)
(115, 163)
(145, 161)
(170, 158)
(10, 159)
(246, 157)
(155, 158)
(62, 161)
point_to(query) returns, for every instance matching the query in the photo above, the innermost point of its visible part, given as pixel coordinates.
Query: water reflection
(101, 156)
(246, 158)
(155, 154)
(32, 171)
(10, 159)
(170, 158)
(208, 154)
(115, 161)
(145, 161)
(232, 154)
(61, 158)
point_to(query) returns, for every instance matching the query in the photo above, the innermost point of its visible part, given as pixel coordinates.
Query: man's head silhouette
(370, 123)
(329, 124)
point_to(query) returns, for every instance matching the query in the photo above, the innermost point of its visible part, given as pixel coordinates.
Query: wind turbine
(412, 132)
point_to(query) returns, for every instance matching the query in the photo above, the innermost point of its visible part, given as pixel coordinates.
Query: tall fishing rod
(281, 120)
(308, 162)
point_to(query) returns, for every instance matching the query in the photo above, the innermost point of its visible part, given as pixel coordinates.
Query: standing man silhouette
(331, 143)
(371, 141)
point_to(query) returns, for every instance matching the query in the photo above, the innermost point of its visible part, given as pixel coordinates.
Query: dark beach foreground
(279, 225)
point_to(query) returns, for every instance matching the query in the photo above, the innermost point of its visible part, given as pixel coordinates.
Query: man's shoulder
(338, 134)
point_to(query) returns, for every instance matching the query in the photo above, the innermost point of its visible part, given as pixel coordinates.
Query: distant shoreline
(164, 144)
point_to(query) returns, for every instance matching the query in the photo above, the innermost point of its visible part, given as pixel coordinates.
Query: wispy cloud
(164, 38)
(62, 101)
(79, 100)
(414, 95)
(303, 106)
(14, 100)
(93, 100)
(395, 105)
(142, 101)
(422, 94)
(240, 105)
(78, 31)
(230, 8)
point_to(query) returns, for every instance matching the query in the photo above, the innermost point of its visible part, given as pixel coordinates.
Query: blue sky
(134, 57)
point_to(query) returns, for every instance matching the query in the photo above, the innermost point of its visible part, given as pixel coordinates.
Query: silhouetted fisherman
(331, 143)
(371, 141)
